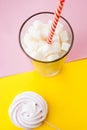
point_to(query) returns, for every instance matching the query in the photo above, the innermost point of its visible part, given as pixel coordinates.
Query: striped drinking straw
(55, 20)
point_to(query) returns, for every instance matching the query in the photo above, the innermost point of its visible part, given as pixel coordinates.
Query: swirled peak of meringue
(28, 110)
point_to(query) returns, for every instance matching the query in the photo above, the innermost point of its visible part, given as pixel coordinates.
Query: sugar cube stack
(35, 41)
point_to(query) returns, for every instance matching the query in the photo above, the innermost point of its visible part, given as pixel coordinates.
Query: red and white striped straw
(55, 20)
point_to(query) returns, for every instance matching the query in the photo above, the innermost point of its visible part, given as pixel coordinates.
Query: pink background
(12, 15)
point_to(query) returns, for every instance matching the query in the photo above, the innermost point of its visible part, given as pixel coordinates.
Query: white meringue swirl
(28, 110)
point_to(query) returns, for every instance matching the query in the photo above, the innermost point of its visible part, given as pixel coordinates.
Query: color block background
(12, 15)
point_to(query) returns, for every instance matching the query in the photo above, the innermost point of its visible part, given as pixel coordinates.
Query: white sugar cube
(65, 46)
(33, 33)
(56, 38)
(59, 28)
(36, 34)
(46, 50)
(49, 23)
(57, 46)
(30, 29)
(26, 39)
(41, 43)
(33, 54)
(37, 24)
(44, 32)
(32, 46)
(52, 57)
(64, 36)
(43, 49)
(36, 55)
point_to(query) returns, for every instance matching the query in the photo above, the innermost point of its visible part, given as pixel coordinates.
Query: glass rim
(20, 30)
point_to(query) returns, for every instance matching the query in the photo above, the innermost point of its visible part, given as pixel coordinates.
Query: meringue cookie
(28, 110)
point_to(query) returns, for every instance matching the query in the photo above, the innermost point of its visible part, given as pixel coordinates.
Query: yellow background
(66, 95)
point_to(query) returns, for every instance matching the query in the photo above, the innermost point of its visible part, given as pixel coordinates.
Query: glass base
(50, 75)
